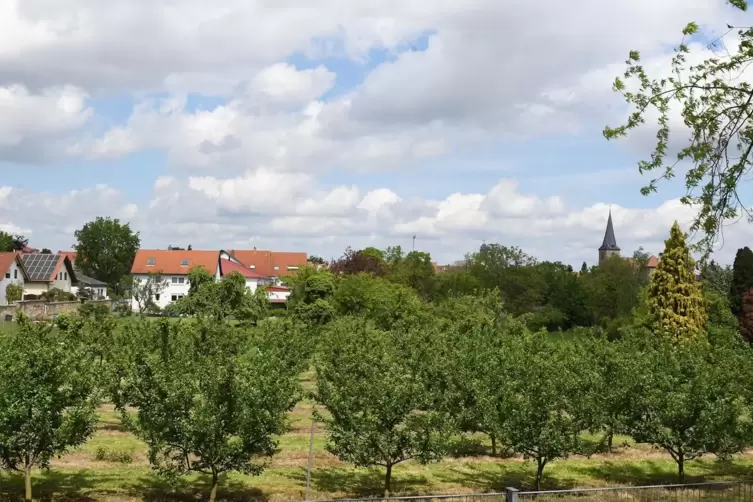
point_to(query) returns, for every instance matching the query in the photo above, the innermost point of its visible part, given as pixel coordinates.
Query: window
(292, 268)
(66, 276)
(156, 297)
(7, 275)
(252, 266)
(174, 280)
(184, 263)
(150, 262)
(15, 274)
(277, 268)
(174, 297)
(181, 280)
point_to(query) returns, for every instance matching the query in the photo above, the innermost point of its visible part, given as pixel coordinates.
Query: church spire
(610, 242)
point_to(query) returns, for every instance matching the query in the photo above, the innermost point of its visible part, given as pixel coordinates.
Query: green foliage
(46, 403)
(6, 242)
(14, 292)
(197, 277)
(613, 289)
(207, 400)
(103, 454)
(106, 249)
(541, 392)
(675, 302)
(57, 295)
(373, 395)
(387, 304)
(229, 297)
(716, 106)
(742, 279)
(716, 278)
(688, 398)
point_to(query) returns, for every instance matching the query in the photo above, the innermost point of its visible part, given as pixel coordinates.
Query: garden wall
(39, 309)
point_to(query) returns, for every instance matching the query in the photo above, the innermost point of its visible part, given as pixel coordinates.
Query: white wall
(278, 295)
(62, 280)
(36, 288)
(13, 276)
(173, 287)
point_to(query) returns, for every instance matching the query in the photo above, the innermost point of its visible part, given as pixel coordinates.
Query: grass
(98, 470)
(113, 465)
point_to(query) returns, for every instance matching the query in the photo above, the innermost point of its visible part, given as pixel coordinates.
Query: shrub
(103, 454)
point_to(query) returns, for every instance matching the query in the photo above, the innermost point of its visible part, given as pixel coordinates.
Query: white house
(11, 272)
(171, 267)
(47, 271)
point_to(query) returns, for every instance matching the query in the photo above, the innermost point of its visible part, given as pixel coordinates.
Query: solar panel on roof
(40, 266)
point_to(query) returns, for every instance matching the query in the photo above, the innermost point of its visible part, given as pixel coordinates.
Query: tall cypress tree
(674, 297)
(742, 279)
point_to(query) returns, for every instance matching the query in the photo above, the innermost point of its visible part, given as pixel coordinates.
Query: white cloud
(34, 126)
(211, 213)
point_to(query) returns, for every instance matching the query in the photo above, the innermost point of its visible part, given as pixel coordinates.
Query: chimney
(254, 248)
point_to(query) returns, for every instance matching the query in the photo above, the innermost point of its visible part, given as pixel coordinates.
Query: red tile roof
(227, 267)
(70, 254)
(168, 262)
(653, 261)
(6, 260)
(264, 262)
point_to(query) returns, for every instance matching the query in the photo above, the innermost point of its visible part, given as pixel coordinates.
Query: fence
(735, 490)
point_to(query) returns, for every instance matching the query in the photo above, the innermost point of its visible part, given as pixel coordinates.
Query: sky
(313, 126)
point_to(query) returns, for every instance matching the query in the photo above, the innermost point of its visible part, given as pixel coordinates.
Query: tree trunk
(494, 444)
(681, 466)
(213, 492)
(540, 464)
(388, 480)
(609, 439)
(27, 482)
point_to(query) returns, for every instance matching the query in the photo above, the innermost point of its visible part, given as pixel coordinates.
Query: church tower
(609, 247)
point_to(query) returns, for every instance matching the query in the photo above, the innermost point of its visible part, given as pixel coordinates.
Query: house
(11, 272)
(88, 287)
(229, 265)
(172, 266)
(273, 264)
(47, 271)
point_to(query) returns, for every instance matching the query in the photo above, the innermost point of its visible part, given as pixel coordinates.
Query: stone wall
(39, 309)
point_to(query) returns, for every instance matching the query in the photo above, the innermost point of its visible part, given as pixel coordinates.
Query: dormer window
(292, 268)
(277, 268)
(150, 262)
(252, 266)
(184, 263)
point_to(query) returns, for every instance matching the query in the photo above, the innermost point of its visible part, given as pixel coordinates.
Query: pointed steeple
(609, 243)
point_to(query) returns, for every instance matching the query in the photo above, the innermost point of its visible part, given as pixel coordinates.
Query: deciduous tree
(690, 400)
(715, 106)
(46, 397)
(374, 397)
(207, 402)
(6, 242)
(105, 250)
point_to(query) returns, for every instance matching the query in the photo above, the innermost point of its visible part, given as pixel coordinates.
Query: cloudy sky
(311, 126)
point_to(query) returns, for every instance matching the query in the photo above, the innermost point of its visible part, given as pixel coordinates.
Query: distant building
(609, 246)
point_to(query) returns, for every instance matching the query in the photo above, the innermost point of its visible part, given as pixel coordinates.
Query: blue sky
(352, 126)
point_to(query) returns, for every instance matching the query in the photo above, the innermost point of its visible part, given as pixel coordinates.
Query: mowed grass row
(113, 465)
